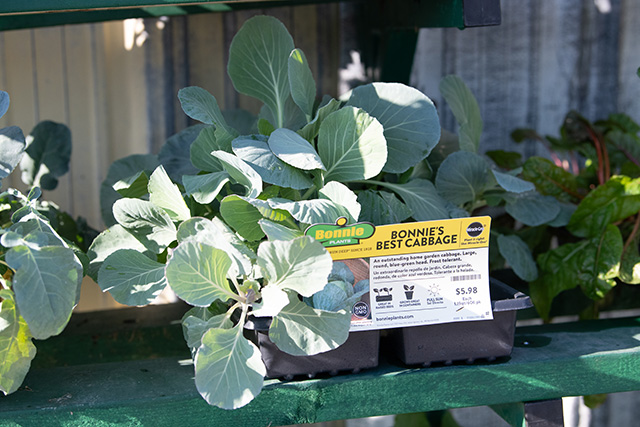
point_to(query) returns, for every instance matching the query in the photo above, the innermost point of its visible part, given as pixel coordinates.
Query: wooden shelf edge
(548, 362)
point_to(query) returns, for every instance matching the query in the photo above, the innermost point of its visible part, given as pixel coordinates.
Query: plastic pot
(464, 341)
(360, 351)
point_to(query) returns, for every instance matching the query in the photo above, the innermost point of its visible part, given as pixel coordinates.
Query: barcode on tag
(466, 277)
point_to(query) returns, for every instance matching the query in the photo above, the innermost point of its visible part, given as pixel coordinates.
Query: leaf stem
(309, 192)
(243, 317)
(604, 171)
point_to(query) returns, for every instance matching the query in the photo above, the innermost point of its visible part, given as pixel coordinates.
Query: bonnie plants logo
(341, 234)
(475, 229)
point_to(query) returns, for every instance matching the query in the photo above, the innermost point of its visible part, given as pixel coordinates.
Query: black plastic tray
(360, 351)
(464, 341)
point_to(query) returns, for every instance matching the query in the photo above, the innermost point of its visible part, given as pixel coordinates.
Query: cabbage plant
(40, 270)
(219, 214)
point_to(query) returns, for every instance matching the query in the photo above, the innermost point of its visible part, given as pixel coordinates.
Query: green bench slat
(548, 362)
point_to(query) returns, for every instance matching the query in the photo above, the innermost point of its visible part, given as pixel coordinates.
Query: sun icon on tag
(434, 289)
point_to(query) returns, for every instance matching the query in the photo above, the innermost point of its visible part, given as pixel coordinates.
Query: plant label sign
(419, 273)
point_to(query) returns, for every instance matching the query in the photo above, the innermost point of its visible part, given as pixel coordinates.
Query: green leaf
(147, 222)
(351, 145)
(382, 208)
(532, 208)
(45, 284)
(255, 151)
(591, 264)
(311, 211)
(201, 149)
(195, 327)
(294, 150)
(205, 188)
(119, 170)
(265, 127)
(410, 121)
(505, 159)
(131, 277)
(343, 196)
(37, 230)
(16, 348)
(566, 211)
(174, 154)
(300, 265)
(463, 177)
(518, 255)
(200, 105)
(275, 231)
(422, 198)
(197, 273)
(628, 143)
(258, 63)
(217, 234)
(12, 145)
(466, 111)
(302, 84)
(512, 183)
(630, 262)
(165, 194)
(134, 187)
(240, 172)
(310, 130)
(242, 217)
(112, 239)
(47, 155)
(294, 117)
(301, 330)
(273, 300)
(549, 179)
(229, 368)
(615, 200)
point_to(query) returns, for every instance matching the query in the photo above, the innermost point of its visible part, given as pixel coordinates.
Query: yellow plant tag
(419, 273)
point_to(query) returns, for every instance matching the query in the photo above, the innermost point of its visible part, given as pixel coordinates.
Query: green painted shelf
(548, 362)
(19, 14)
